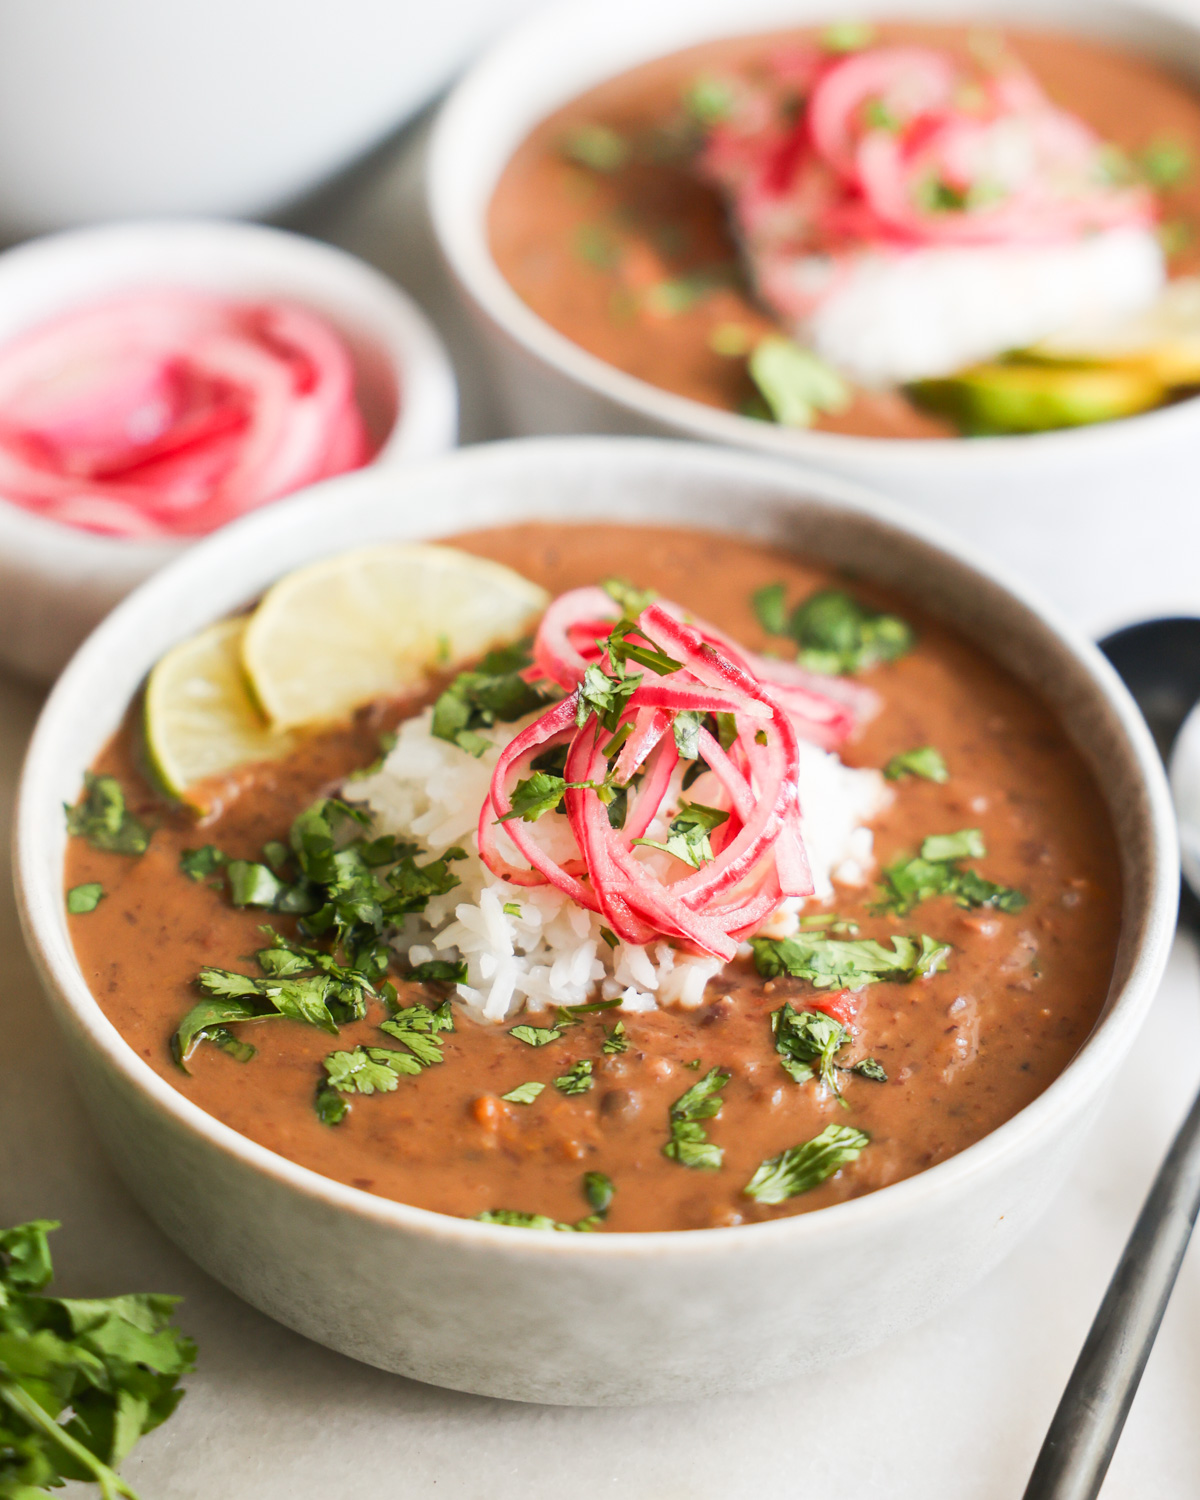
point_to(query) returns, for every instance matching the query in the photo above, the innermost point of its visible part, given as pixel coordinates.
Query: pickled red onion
(171, 412)
(758, 855)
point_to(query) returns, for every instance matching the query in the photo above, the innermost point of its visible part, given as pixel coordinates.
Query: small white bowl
(122, 108)
(1122, 487)
(57, 581)
(611, 1318)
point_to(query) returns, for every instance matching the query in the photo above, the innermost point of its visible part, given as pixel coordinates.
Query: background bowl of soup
(1110, 487)
(607, 1318)
(57, 580)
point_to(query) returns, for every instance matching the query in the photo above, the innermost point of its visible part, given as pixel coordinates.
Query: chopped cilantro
(605, 696)
(709, 99)
(837, 963)
(368, 1070)
(688, 833)
(801, 1168)
(731, 340)
(418, 1028)
(103, 819)
(795, 383)
(609, 936)
(1165, 163)
(84, 898)
(689, 1144)
(936, 871)
(615, 1041)
(514, 1219)
(494, 692)
(510, 909)
(225, 1041)
(808, 1042)
(200, 863)
(439, 971)
(253, 884)
(524, 1093)
(687, 734)
(847, 36)
(632, 600)
(330, 1106)
(212, 1015)
(577, 1079)
(595, 244)
(833, 631)
(277, 855)
(596, 146)
(535, 1036)
(925, 762)
(967, 843)
(81, 1380)
(534, 796)
(598, 1190)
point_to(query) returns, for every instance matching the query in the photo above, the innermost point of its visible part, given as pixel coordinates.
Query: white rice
(545, 950)
(893, 316)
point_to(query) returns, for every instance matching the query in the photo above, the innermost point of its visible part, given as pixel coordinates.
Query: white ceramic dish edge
(613, 1318)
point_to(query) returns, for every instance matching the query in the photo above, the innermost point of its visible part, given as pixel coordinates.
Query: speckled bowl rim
(38, 817)
(461, 231)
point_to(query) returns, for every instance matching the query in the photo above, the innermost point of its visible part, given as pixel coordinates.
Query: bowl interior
(566, 50)
(634, 481)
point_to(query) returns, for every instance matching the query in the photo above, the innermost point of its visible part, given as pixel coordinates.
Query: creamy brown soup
(589, 251)
(963, 1050)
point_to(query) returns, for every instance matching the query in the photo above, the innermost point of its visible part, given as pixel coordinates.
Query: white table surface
(954, 1411)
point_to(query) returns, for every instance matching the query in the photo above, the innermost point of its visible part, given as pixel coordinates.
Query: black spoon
(1159, 661)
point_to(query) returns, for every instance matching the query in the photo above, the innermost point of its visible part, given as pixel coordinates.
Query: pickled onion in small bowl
(171, 412)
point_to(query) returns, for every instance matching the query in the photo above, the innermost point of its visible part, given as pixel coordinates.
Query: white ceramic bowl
(1122, 488)
(597, 1319)
(57, 581)
(114, 108)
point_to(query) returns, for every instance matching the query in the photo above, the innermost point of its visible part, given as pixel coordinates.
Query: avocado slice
(1013, 397)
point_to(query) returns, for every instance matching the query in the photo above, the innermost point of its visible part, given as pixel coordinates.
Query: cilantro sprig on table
(938, 871)
(833, 632)
(81, 1380)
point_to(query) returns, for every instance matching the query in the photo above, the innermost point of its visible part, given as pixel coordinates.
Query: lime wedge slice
(331, 637)
(200, 718)
(1163, 339)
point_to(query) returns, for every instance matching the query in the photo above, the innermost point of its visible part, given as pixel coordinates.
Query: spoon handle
(1087, 1425)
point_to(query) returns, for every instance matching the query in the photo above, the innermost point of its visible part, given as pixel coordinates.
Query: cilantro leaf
(80, 1380)
(804, 1038)
(632, 600)
(368, 1070)
(84, 898)
(599, 147)
(795, 383)
(331, 1107)
(868, 1067)
(494, 692)
(102, 818)
(689, 1144)
(211, 1016)
(225, 1041)
(599, 1191)
(439, 971)
(936, 871)
(514, 1219)
(604, 696)
(200, 863)
(834, 633)
(616, 1041)
(801, 1168)
(253, 884)
(686, 729)
(925, 762)
(688, 832)
(524, 1093)
(577, 1079)
(536, 1036)
(848, 964)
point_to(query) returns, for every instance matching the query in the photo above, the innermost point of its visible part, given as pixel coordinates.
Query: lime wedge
(1163, 339)
(331, 637)
(200, 718)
